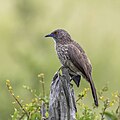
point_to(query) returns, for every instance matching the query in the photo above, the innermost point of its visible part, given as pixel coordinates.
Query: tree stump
(62, 104)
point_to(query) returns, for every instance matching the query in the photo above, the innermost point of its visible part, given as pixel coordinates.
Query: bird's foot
(58, 72)
(60, 69)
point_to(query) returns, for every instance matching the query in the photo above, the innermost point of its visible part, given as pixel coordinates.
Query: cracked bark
(62, 104)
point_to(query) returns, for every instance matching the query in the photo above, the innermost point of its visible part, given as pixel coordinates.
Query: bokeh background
(24, 52)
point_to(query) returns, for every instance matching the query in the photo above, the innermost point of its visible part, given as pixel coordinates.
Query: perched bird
(71, 55)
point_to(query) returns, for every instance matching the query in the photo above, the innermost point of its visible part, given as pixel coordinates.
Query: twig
(11, 92)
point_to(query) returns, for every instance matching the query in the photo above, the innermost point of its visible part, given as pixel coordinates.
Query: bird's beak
(49, 35)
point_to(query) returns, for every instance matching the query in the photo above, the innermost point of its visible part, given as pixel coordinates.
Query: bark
(62, 104)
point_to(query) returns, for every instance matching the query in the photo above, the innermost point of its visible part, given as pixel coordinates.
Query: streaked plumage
(73, 56)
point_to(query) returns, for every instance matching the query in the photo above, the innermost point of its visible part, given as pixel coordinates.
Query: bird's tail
(94, 94)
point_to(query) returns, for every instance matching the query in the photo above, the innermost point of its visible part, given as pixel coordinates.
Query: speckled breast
(62, 53)
(64, 57)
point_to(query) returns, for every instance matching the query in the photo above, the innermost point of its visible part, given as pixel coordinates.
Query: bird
(71, 55)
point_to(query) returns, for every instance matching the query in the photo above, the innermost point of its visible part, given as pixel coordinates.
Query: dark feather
(93, 92)
(76, 79)
(82, 63)
(78, 58)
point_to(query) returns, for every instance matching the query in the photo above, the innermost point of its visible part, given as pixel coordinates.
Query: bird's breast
(62, 53)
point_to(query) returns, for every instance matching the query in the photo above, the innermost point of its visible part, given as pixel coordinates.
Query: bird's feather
(79, 59)
(76, 79)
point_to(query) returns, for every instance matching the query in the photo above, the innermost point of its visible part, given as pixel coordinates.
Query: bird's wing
(79, 59)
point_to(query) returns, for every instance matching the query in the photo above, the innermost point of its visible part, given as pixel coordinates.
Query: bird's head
(59, 35)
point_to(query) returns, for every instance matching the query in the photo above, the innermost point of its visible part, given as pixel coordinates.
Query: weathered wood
(62, 101)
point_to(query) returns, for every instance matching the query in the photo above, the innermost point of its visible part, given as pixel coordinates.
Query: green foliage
(105, 104)
(37, 109)
(32, 110)
(87, 114)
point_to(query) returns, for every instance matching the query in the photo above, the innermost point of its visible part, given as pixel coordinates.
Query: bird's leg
(60, 69)
(58, 72)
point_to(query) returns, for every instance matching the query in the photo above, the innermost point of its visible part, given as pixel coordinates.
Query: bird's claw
(60, 69)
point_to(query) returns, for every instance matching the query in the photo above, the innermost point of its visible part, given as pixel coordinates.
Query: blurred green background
(24, 52)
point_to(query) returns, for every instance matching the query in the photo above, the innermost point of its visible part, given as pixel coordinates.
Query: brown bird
(71, 55)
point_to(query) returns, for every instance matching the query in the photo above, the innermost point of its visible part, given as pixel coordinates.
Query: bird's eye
(55, 32)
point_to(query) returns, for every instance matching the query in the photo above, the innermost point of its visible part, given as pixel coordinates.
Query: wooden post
(62, 104)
